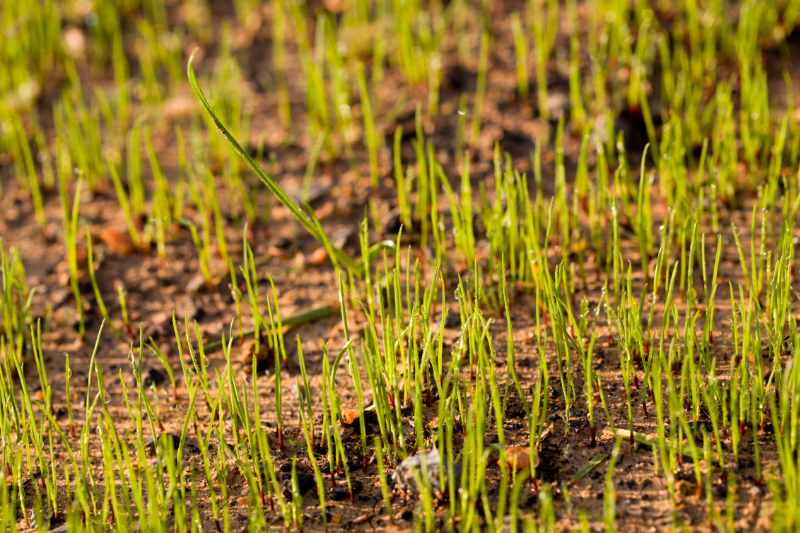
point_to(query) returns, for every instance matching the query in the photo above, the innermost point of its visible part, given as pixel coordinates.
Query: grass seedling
(521, 56)
(480, 88)
(98, 296)
(24, 157)
(609, 495)
(15, 302)
(309, 222)
(545, 28)
(401, 184)
(70, 218)
(385, 492)
(370, 133)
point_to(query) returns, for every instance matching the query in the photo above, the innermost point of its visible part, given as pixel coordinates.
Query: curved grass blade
(338, 256)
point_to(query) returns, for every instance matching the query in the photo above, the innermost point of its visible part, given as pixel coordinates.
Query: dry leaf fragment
(517, 458)
(360, 519)
(350, 416)
(117, 241)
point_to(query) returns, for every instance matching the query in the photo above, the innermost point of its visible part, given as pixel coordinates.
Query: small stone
(196, 283)
(298, 261)
(74, 42)
(425, 467)
(318, 257)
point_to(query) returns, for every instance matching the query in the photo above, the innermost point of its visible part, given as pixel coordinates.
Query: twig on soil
(289, 323)
(645, 440)
(588, 468)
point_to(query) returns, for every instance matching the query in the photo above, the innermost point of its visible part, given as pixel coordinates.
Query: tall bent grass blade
(338, 256)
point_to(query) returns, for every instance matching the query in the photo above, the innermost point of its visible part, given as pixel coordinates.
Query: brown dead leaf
(360, 519)
(517, 458)
(117, 241)
(350, 416)
(686, 489)
(248, 352)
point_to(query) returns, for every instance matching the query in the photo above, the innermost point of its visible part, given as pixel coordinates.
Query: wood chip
(360, 519)
(589, 467)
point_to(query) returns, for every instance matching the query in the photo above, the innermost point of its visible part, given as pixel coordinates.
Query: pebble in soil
(423, 467)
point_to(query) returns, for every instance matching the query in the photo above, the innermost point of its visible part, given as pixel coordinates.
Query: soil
(158, 286)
